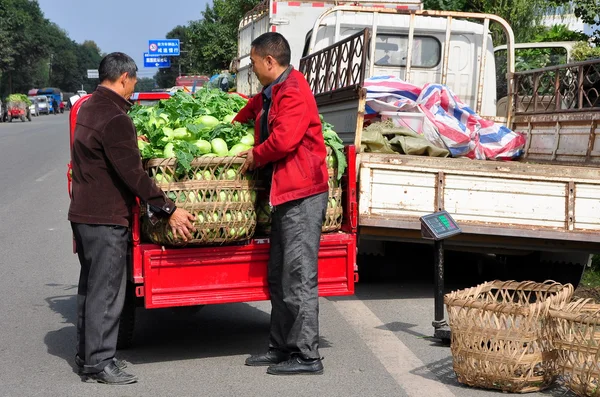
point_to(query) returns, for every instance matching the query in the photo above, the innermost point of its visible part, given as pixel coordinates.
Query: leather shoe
(112, 375)
(297, 365)
(121, 364)
(269, 358)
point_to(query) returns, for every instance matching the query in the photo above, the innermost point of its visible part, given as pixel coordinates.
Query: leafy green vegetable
(18, 98)
(337, 146)
(183, 126)
(219, 147)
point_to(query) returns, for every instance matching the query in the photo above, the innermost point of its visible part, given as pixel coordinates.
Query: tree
(89, 56)
(145, 84)
(24, 42)
(586, 10)
(214, 37)
(165, 77)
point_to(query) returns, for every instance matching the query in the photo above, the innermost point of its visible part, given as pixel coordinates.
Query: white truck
(293, 19)
(540, 216)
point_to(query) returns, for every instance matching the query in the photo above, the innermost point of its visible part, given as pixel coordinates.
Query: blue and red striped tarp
(449, 123)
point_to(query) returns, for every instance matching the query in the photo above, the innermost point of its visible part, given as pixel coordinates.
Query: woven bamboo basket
(500, 337)
(222, 200)
(333, 216)
(576, 334)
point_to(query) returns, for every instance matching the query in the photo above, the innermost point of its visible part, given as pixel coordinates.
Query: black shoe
(121, 364)
(297, 366)
(269, 358)
(112, 375)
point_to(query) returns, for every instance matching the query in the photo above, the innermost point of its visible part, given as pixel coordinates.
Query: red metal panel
(212, 275)
(73, 117)
(350, 194)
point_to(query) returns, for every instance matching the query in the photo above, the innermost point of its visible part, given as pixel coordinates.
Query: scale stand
(439, 226)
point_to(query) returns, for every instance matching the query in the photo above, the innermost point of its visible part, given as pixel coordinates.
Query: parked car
(43, 105)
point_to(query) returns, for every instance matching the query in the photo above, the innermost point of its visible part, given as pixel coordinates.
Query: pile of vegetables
(15, 98)
(187, 126)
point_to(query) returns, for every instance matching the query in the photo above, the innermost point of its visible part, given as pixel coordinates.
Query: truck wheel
(540, 267)
(127, 321)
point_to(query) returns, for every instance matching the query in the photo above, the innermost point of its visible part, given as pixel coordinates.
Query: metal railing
(573, 87)
(339, 66)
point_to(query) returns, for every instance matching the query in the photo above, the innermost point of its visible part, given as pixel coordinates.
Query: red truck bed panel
(224, 274)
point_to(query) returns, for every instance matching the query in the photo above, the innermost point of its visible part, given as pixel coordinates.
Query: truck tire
(127, 321)
(539, 266)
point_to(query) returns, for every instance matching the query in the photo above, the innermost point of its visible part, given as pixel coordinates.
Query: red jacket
(295, 145)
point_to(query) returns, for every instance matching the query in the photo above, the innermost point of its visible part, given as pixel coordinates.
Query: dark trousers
(292, 275)
(102, 254)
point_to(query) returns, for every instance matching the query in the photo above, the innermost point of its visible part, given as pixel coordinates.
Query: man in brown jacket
(107, 177)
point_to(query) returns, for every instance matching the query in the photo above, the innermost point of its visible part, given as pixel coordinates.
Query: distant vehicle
(81, 92)
(18, 110)
(43, 104)
(192, 83)
(52, 94)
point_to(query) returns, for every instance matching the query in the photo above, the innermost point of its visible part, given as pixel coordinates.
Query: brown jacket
(107, 167)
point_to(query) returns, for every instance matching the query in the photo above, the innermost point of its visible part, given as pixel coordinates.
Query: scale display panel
(438, 226)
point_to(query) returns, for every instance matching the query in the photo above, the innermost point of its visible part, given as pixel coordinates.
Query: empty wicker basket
(576, 331)
(499, 335)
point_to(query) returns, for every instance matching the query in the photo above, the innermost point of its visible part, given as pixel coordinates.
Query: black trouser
(102, 254)
(292, 275)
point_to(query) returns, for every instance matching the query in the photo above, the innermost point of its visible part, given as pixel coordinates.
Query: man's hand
(181, 223)
(249, 163)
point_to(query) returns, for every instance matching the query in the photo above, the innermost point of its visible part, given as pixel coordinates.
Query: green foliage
(587, 10)
(582, 51)
(557, 33)
(15, 98)
(36, 53)
(591, 276)
(178, 126)
(145, 85)
(214, 37)
(165, 77)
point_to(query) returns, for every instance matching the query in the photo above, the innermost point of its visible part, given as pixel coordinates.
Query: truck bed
(509, 199)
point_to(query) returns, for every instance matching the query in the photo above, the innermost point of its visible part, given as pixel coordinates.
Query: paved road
(375, 343)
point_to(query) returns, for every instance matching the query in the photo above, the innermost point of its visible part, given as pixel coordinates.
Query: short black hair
(275, 45)
(114, 65)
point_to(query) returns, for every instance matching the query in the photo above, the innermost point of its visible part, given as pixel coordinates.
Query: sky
(122, 25)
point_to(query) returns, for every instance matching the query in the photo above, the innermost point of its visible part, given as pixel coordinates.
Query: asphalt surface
(376, 343)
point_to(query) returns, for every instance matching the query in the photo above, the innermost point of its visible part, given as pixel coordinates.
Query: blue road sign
(156, 61)
(166, 47)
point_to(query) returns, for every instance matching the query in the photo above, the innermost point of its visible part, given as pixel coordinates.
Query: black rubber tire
(530, 267)
(127, 322)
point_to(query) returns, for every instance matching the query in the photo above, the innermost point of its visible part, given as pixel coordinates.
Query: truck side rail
(450, 16)
(557, 108)
(574, 87)
(336, 75)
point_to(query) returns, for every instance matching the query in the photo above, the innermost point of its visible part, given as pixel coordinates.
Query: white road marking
(46, 175)
(397, 359)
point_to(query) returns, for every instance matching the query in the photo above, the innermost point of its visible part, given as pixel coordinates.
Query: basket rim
(171, 161)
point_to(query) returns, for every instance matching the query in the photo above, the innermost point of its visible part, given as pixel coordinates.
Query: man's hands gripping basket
(336, 165)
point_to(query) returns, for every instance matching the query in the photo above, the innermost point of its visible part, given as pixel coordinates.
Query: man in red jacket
(291, 156)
